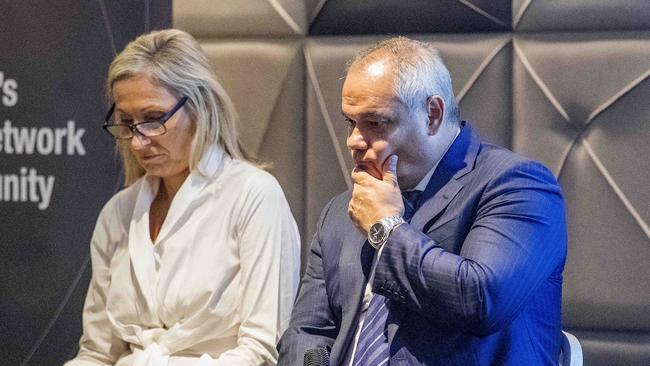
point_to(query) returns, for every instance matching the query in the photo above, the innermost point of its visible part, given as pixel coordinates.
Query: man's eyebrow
(369, 115)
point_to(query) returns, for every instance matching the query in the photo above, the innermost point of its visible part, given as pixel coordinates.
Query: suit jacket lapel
(355, 262)
(355, 259)
(444, 183)
(440, 190)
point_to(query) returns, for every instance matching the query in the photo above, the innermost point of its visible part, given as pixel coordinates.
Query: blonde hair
(175, 61)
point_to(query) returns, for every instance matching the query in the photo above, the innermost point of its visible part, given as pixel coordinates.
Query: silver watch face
(377, 233)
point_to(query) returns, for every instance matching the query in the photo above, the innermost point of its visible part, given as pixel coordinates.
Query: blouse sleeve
(98, 344)
(269, 250)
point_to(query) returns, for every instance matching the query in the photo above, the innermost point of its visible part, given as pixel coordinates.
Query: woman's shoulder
(246, 176)
(121, 205)
(113, 221)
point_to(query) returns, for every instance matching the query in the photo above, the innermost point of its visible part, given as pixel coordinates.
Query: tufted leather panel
(580, 15)
(581, 95)
(614, 348)
(566, 83)
(241, 17)
(415, 16)
(267, 94)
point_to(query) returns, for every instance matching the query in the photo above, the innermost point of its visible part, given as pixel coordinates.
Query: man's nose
(356, 140)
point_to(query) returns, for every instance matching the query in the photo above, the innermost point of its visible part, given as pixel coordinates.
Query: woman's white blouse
(217, 286)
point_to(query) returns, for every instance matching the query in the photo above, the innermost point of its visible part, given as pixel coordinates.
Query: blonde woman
(196, 261)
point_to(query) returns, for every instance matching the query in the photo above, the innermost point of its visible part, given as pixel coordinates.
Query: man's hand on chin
(374, 199)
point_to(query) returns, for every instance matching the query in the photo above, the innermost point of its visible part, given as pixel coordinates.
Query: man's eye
(350, 122)
(124, 121)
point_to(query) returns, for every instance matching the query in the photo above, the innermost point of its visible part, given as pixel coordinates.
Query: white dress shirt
(215, 288)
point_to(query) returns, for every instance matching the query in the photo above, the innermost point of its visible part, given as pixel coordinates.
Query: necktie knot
(411, 203)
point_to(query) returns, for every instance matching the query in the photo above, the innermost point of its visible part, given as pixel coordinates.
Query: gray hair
(419, 73)
(174, 60)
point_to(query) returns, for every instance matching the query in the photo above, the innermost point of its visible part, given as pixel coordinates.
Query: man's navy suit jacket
(474, 279)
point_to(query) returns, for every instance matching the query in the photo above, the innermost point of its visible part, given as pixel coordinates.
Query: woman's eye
(153, 118)
(349, 122)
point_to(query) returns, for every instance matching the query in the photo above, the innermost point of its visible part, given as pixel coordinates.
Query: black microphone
(317, 357)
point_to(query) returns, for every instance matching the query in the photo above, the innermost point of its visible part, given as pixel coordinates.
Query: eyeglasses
(124, 131)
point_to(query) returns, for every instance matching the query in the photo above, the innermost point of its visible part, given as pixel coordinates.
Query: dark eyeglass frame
(134, 126)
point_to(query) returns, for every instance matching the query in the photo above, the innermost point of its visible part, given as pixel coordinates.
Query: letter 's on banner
(8, 91)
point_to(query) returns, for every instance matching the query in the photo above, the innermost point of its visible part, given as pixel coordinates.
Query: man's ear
(435, 113)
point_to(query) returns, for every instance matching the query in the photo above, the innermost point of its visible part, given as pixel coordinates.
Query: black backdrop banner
(57, 167)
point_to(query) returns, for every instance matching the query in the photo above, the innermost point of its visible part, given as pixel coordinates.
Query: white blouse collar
(140, 245)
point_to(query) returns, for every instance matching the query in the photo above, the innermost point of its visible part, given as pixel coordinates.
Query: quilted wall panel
(566, 83)
(228, 18)
(267, 94)
(415, 16)
(581, 107)
(580, 15)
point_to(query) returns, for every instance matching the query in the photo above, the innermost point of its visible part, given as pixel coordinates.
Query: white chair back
(571, 351)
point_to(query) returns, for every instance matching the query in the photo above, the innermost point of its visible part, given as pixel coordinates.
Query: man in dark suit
(446, 251)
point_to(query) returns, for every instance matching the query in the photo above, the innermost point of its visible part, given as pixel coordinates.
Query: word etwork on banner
(27, 185)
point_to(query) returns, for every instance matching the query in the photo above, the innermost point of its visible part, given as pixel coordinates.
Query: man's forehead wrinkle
(373, 105)
(366, 89)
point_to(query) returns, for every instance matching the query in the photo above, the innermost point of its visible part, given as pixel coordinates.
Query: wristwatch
(380, 230)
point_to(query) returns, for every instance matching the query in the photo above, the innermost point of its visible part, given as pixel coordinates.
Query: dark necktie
(373, 348)
(411, 203)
